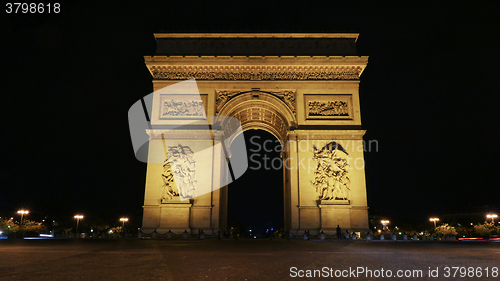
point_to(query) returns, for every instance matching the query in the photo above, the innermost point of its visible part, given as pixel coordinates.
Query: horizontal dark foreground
(147, 259)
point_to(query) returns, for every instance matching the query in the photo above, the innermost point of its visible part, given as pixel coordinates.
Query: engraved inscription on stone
(328, 108)
(331, 177)
(182, 108)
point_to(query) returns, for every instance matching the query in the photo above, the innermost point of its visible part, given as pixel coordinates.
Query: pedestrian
(339, 231)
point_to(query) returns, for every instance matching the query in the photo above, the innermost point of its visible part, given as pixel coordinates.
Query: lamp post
(78, 218)
(22, 213)
(434, 220)
(123, 220)
(384, 224)
(492, 217)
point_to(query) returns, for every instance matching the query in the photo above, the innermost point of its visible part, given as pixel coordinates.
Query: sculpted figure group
(180, 164)
(331, 177)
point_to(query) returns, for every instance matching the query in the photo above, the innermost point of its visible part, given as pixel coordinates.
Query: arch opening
(256, 199)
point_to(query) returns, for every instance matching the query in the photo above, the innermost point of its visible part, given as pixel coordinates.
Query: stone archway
(273, 112)
(309, 100)
(256, 109)
(255, 204)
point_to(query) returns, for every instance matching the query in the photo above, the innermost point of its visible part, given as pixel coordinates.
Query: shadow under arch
(256, 199)
(258, 111)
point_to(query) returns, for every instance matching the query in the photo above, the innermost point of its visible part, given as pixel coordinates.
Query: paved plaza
(211, 259)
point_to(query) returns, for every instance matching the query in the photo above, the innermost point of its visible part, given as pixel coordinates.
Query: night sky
(429, 97)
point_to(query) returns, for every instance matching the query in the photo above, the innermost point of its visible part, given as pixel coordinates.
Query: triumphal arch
(302, 88)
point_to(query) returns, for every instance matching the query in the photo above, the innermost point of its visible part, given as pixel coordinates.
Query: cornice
(360, 60)
(212, 68)
(174, 134)
(327, 134)
(256, 35)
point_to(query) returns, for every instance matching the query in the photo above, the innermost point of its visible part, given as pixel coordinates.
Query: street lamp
(384, 224)
(78, 218)
(492, 217)
(123, 220)
(434, 220)
(22, 213)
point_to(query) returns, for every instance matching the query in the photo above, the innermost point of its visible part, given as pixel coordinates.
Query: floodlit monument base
(304, 91)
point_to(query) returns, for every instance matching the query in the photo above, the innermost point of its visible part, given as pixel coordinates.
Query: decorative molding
(223, 96)
(175, 133)
(255, 73)
(265, 115)
(323, 203)
(288, 96)
(326, 134)
(295, 60)
(355, 60)
(256, 35)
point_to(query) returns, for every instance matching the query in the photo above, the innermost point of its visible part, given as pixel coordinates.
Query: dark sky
(429, 96)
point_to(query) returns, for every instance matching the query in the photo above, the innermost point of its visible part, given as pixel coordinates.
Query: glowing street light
(78, 218)
(434, 220)
(384, 223)
(492, 217)
(123, 220)
(22, 213)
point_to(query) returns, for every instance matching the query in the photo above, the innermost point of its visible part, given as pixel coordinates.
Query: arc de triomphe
(303, 89)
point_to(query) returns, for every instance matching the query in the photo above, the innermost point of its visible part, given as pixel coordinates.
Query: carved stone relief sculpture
(328, 108)
(331, 177)
(169, 189)
(182, 108)
(180, 164)
(223, 97)
(257, 73)
(288, 97)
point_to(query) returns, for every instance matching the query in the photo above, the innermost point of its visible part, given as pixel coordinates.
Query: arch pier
(302, 88)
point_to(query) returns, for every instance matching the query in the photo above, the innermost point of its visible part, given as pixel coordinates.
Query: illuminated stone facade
(302, 88)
